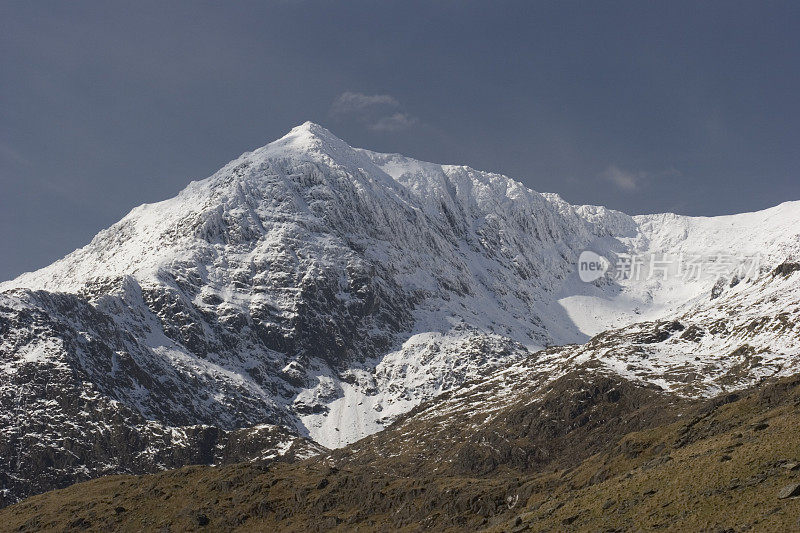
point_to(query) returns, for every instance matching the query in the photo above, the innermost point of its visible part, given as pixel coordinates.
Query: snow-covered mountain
(327, 290)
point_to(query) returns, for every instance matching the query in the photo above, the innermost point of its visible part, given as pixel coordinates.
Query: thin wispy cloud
(398, 121)
(350, 102)
(629, 181)
(377, 112)
(623, 179)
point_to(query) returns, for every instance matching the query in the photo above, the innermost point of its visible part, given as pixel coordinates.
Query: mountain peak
(310, 136)
(311, 142)
(308, 130)
(313, 128)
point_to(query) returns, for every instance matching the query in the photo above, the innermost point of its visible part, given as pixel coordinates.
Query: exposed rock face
(328, 291)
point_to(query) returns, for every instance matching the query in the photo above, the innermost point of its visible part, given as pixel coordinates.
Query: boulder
(789, 491)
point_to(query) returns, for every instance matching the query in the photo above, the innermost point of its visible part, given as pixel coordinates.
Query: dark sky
(689, 107)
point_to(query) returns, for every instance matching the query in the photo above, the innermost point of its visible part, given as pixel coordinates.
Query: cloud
(629, 181)
(350, 102)
(377, 112)
(396, 122)
(624, 179)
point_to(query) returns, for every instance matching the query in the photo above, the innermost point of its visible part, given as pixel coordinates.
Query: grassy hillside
(585, 453)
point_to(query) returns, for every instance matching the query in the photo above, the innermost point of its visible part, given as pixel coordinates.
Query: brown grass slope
(586, 452)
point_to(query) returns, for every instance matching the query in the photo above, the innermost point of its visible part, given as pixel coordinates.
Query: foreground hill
(584, 452)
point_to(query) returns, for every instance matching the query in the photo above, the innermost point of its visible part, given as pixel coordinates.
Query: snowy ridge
(329, 290)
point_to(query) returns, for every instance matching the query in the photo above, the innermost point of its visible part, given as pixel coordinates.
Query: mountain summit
(310, 293)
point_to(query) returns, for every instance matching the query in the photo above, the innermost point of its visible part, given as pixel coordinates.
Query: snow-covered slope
(328, 290)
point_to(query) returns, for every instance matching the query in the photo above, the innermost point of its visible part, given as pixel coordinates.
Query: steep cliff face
(327, 290)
